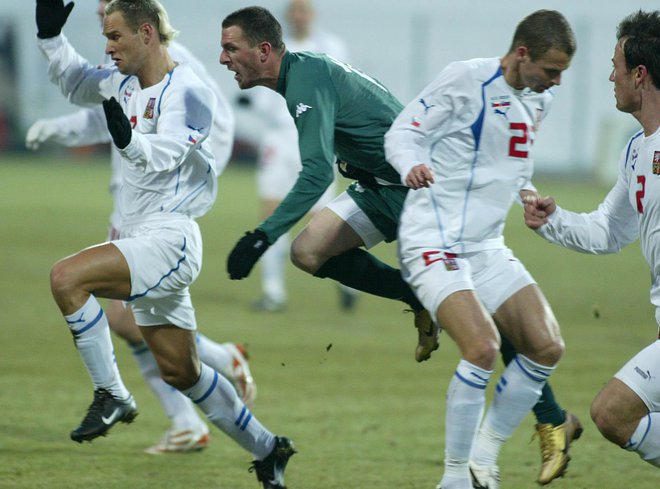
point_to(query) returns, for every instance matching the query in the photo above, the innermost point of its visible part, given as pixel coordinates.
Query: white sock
(517, 391)
(214, 355)
(90, 330)
(177, 407)
(466, 399)
(273, 269)
(646, 439)
(217, 398)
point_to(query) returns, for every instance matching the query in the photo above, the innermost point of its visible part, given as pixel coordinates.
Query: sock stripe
(245, 421)
(501, 384)
(541, 377)
(85, 328)
(210, 389)
(469, 382)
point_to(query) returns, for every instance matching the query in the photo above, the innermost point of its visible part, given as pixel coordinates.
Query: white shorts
(495, 275)
(351, 214)
(642, 375)
(278, 165)
(164, 258)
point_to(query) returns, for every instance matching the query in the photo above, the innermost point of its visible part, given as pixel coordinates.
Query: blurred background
(403, 44)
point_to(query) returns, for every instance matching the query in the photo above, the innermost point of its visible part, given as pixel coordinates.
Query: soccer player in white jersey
(627, 409)
(278, 158)
(88, 126)
(159, 115)
(463, 144)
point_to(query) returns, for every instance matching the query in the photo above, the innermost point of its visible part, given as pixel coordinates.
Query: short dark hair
(258, 25)
(543, 30)
(640, 36)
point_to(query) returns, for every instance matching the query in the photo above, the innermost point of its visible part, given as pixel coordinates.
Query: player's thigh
(527, 320)
(465, 320)
(518, 306)
(326, 235)
(443, 284)
(100, 269)
(619, 403)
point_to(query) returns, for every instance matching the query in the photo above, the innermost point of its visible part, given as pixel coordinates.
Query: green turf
(344, 386)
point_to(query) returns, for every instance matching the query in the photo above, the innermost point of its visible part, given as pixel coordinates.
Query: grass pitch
(344, 386)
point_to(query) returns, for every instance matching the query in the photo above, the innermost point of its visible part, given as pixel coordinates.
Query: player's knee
(554, 351)
(607, 422)
(550, 352)
(303, 257)
(483, 352)
(62, 279)
(179, 376)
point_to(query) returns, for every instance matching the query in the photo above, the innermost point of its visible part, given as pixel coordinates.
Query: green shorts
(382, 204)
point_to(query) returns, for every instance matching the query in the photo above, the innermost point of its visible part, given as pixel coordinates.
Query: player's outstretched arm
(51, 16)
(39, 132)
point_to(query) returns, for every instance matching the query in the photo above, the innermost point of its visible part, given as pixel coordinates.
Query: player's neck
(155, 68)
(271, 74)
(509, 64)
(648, 114)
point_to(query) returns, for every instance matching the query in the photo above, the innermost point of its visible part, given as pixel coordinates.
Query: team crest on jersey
(501, 105)
(656, 163)
(149, 110)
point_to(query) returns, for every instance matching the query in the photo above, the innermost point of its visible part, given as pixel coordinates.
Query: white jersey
(631, 210)
(476, 133)
(168, 166)
(88, 126)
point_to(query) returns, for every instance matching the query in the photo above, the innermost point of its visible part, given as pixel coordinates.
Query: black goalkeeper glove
(246, 253)
(51, 17)
(118, 124)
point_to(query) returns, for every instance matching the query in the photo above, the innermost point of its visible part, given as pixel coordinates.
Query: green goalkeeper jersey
(341, 114)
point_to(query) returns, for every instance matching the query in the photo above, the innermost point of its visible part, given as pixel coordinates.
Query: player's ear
(522, 52)
(264, 51)
(146, 32)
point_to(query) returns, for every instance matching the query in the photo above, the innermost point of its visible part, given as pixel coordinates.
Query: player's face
(545, 72)
(123, 44)
(624, 82)
(241, 58)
